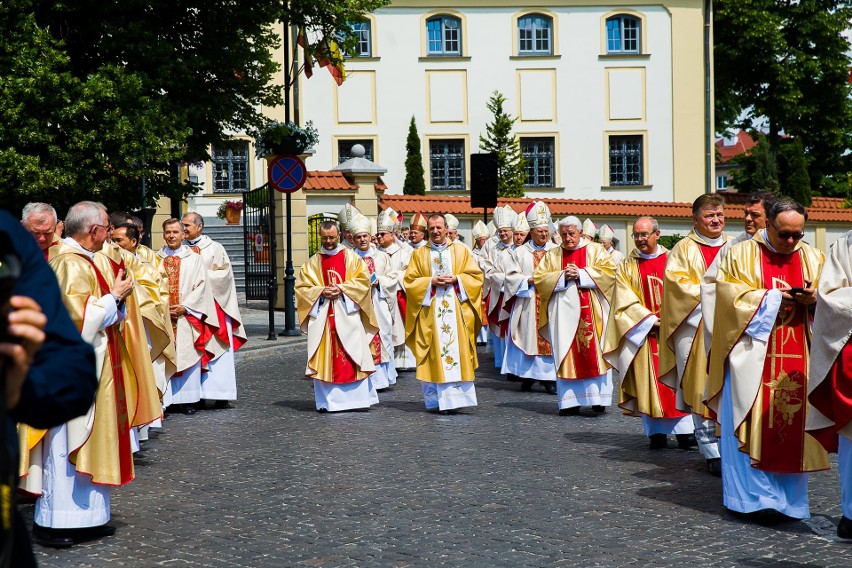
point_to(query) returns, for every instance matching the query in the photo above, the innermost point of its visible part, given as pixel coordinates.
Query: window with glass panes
(534, 35)
(446, 164)
(622, 34)
(364, 47)
(230, 168)
(444, 35)
(538, 160)
(626, 160)
(344, 149)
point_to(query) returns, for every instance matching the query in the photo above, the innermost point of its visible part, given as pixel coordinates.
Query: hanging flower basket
(230, 211)
(279, 138)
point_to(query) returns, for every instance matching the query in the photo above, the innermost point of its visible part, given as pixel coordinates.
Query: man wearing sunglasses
(758, 380)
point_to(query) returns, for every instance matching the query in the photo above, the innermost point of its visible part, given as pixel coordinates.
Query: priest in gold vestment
(336, 312)
(575, 281)
(74, 467)
(683, 360)
(758, 380)
(443, 286)
(632, 338)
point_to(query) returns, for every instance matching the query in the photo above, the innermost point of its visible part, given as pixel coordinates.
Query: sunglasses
(787, 235)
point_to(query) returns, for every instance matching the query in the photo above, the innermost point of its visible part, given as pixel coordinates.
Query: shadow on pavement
(299, 405)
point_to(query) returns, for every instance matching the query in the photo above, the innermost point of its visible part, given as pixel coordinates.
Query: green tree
(787, 63)
(511, 169)
(90, 105)
(793, 167)
(415, 182)
(759, 169)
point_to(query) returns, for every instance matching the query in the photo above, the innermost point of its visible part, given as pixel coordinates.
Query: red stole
(171, 264)
(651, 273)
(376, 342)
(709, 253)
(544, 347)
(833, 398)
(585, 346)
(785, 380)
(342, 365)
(125, 455)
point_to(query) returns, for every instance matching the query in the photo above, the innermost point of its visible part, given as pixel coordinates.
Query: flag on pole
(302, 41)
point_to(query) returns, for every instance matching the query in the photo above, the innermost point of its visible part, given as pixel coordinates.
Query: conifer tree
(415, 183)
(511, 169)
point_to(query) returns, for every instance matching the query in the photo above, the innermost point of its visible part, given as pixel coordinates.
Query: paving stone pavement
(272, 483)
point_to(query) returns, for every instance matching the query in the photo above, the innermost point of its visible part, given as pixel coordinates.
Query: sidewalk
(256, 323)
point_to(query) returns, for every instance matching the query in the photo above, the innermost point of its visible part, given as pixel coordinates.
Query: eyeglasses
(642, 236)
(380, 235)
(106, 228)
(787, 235)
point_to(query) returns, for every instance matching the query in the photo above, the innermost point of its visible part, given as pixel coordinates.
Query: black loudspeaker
(483, 180)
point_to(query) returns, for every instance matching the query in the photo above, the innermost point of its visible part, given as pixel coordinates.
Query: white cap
(479, 230)
(521, 225)
(589, 228)
(606, 233)
(452, 222)
(346, 215)
(387, 221)
(538, 215)
(360, 224)
(504, 217)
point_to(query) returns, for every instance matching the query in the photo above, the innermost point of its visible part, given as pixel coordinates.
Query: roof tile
(328, 180)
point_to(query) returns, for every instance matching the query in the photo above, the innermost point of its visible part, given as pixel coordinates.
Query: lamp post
(290, 328)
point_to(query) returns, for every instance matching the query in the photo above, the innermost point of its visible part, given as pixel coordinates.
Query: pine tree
(511, 169)
(795, 181)
(415, 182)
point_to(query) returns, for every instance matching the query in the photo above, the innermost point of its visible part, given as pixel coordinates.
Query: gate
(259, 242)
(314, 222)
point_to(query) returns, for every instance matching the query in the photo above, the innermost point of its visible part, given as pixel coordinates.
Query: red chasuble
(584, 349)
(785, 383)
(709, 253)
(833, 398)
(376, 342)
(334, 272)
(651, 272)
(544, 347)
(125, 454)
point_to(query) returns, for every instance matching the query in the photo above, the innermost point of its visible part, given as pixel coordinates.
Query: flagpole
(289, 278)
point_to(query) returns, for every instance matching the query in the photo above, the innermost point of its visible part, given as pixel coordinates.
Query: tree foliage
(511, 170)
(787, 63)
(415, 183)
(94, 95)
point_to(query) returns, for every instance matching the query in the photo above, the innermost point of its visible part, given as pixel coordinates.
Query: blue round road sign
(287, 173)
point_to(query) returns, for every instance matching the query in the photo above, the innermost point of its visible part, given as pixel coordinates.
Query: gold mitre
(418, 220)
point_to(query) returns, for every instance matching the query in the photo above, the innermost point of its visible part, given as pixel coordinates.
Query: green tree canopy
(787, 63)
(415, 183)
(498, 138)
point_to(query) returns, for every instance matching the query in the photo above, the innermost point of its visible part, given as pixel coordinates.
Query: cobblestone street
(270, 482)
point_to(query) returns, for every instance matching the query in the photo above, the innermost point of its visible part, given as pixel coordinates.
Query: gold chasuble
(338, 341)
(574, 319)
(769, 380)
(686, 264)
(434, 347)
(638, 294)
(99, 442)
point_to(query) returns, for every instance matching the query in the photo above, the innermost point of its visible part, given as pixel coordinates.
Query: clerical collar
(504, 245)
(418, 244)
(765, 236)
(717, 242)
(364, 253)
(74, 244)
(536, 247)
(654, 254)
(172, 252)
(437, 247)
(331, 252)
(195, 241)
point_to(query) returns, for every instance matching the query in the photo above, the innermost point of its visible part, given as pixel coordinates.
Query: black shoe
(54, 538)
(549, 387)
(714, 466)
(526, 385)
(658, 441)
(322, 410)
(513, 378)
(573, 411)
(599, 409)
(92, 533)
(445, 412)
(844, 528)
(188, 409)
(686, 441)
(221, 404)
